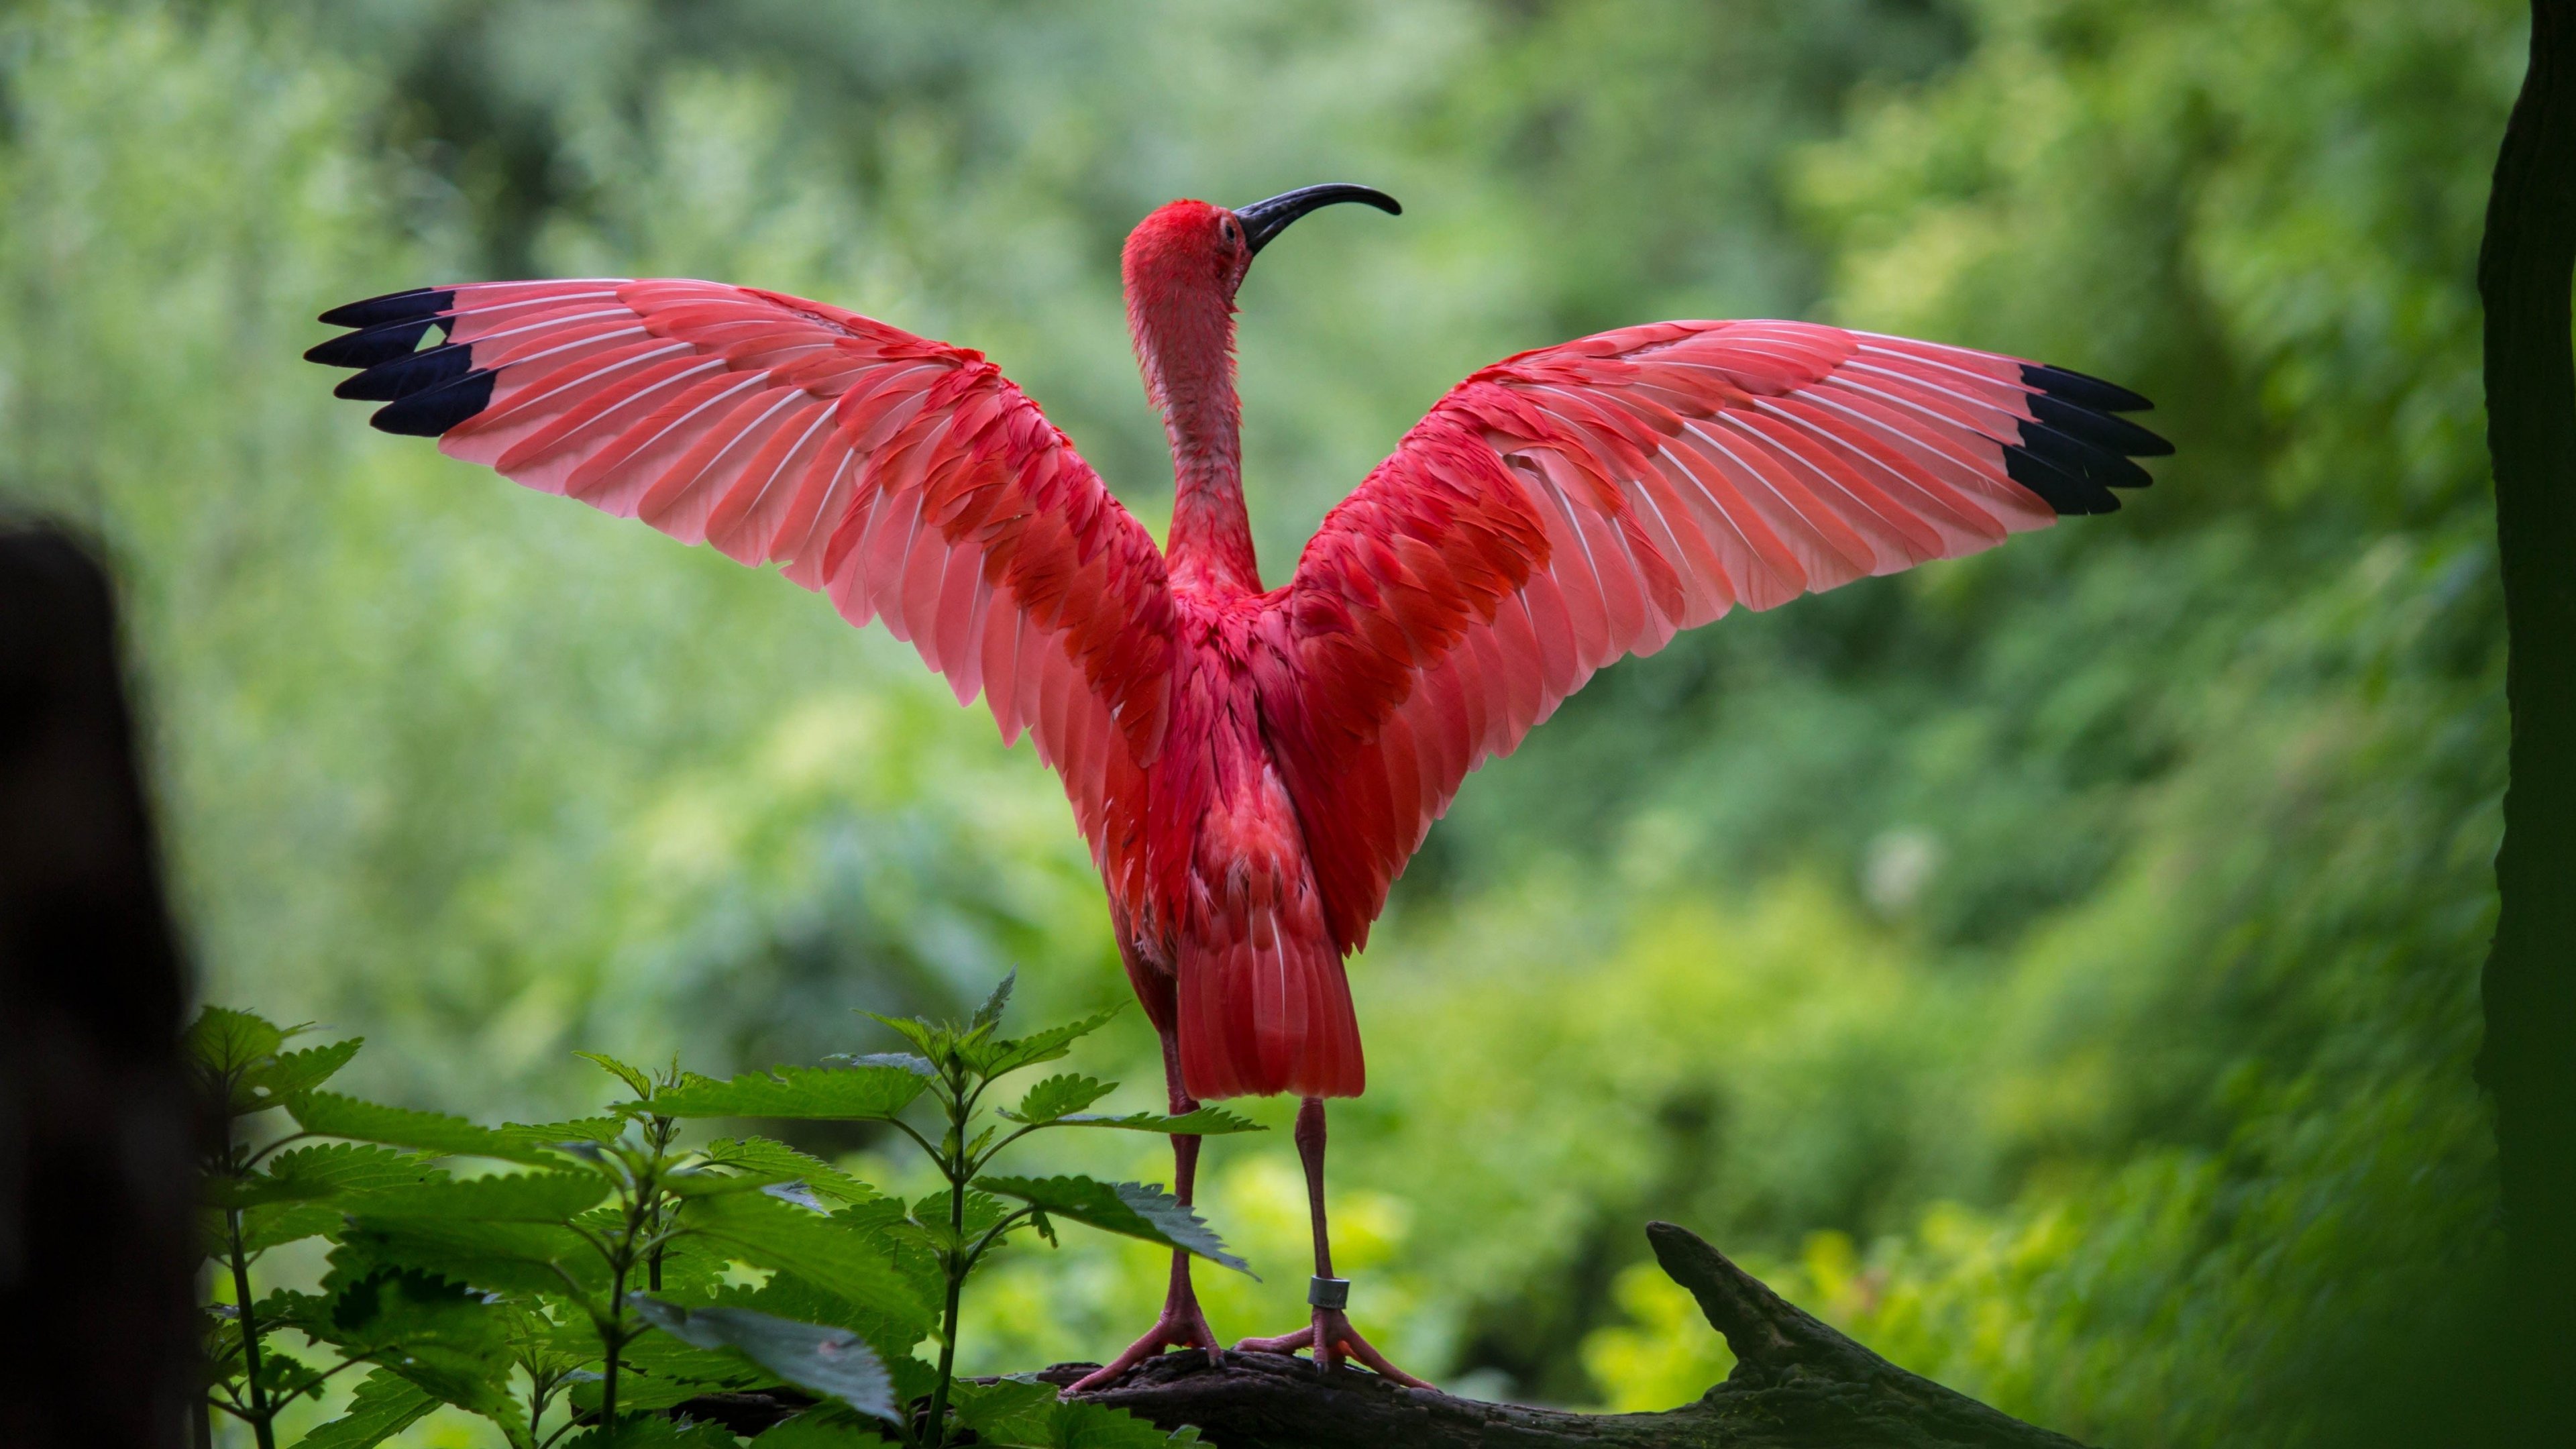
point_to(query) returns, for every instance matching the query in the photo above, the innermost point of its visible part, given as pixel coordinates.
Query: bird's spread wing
(1572, 505)
(906, 478)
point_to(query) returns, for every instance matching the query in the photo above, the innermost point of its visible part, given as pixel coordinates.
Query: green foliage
(1058, 1102)
(850, 1266)
(384, 1405)
(1026, 1414)
(829, 1361)
(783, 1163)
(847, 1094)
(2085, 934)
(1127, 1208)
(593, 1287)
(328, 1114)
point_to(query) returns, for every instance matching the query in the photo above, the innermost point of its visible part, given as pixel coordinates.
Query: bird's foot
(1330, 1337)
(1182, 1325)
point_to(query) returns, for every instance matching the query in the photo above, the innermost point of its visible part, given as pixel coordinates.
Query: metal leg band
(1329, 1292)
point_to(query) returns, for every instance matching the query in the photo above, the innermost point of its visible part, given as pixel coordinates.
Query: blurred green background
(2057, 967)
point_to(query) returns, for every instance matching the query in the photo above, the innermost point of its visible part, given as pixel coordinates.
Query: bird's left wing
(1572, 505)
(906, 478)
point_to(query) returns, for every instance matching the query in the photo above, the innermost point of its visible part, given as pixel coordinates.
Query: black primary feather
(431, 413)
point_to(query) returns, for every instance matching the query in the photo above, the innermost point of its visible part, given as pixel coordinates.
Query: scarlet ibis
(1252, 768)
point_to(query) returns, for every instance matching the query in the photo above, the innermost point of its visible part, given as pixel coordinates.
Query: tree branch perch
(1797, 1384)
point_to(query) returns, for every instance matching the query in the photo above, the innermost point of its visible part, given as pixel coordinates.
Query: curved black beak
(1263, 220)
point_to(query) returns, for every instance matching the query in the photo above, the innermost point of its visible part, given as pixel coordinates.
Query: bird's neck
(1186, 346)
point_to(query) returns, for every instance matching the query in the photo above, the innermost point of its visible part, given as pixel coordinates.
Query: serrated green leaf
(683, 1361)
(998, 1058)
(640, 1393)
(833, 1361)
(651, 1431)
(320, 1172)
(661, 1371)
(990, 1013)
(271, 1224)
(501, 1257)
(329, 1114)
(918, 1066)
(434, 1333)
(1007, 1411)
(285, 1308)
(477, 1386)
(934, 1040)
(1203, 1122)
(543, 1346)
(400, 1308)
(840, 1094)
(520, 1197)
(817, 1429)
(284, 1375)
(711, 1182)
(1026, 1414)
(269, 1083)
(1128, 1208)
(928, 1223)
(223, 1042)
(787, 1296)
(297, 1195)
(637, 1080)
(384, 1405)
(759, 1154)
(1056, 1096)
(837, 1254)
(597, 1130)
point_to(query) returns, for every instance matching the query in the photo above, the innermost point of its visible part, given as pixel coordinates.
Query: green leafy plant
(570, 1282)
(955, 1065)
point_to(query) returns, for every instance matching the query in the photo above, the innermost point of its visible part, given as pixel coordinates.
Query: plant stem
(663, 1131)
(613, 1339)
(260, 1413)
(952, 1161)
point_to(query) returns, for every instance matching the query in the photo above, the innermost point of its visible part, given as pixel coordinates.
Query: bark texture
(2524, 271)
(1797, 1384)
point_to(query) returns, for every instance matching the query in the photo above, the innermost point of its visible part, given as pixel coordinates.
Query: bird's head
(1183, 263)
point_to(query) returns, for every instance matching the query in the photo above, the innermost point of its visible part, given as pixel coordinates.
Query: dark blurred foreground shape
(2529, 1060)
(96, 1173)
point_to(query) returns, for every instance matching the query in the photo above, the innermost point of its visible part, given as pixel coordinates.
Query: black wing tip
(426, 390)
(2062, 491)
(2083, 389)
(430, 412)
(2077, 448)
(2106, 431)
(2070, 452)
(369, 346)
(408, 373)
(416, 304)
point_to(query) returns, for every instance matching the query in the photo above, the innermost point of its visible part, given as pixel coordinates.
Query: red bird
(1251, 767)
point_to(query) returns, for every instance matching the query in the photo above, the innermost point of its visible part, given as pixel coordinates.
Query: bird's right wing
(906, 478)
(1572, 505)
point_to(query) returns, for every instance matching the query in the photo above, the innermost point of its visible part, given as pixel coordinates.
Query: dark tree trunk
(2529, 1060)
(97, 1168)
(1797, 1385)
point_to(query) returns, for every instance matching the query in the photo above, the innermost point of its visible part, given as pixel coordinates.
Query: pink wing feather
(905, 478)
(1569, 506)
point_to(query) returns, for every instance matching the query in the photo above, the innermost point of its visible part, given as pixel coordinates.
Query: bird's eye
(1233, 233)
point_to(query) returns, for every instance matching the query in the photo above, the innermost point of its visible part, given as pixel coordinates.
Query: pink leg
(1330, 1335)
(1181, 1325)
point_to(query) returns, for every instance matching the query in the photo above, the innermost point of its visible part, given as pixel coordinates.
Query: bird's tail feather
(1267, 1011)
